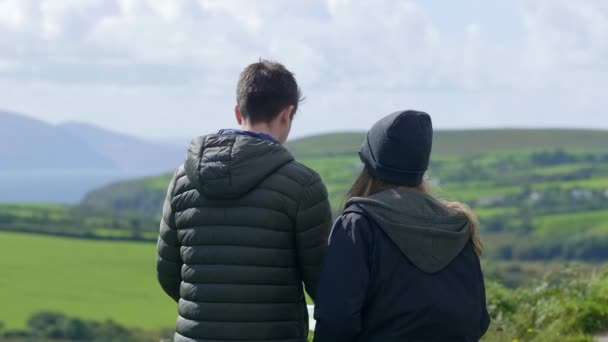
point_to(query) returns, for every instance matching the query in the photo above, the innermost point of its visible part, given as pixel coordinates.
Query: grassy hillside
(530, 201)
(463, 142)
(90, 223)
(334, 157)
(143, 196)
(87, 279)
(530, 198)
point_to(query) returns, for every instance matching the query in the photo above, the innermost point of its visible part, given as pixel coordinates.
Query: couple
(245, 226)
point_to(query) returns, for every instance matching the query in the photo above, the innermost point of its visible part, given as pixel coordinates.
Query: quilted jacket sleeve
(313, 223)
(168, 259)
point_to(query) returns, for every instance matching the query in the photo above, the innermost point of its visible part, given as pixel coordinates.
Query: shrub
(57, 326)
(566, 306)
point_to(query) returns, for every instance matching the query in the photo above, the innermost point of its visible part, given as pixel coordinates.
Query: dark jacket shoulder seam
(308, 171)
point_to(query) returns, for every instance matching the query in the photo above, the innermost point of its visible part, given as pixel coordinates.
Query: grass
(88, 279)
(94, 280)
(337, 173)
(570, 222)
(462, 142)
(158, 182)
(484, 213)
(99, 280)
(518, 274)
(472, 191)
(327, 144)
(560, 169)
(568, 305)
(26, 210)
(598, 183)
(334, 157)
(492, 176)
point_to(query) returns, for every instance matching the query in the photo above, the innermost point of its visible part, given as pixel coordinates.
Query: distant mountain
(42, 162)
(128, 152)
(27, 143)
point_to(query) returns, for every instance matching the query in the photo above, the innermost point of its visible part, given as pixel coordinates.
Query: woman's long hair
(366, 185)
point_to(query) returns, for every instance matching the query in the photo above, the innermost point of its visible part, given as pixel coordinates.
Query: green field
(29, 210)
(571, 223)
(115, 280)
(462, 142)
(87, 279)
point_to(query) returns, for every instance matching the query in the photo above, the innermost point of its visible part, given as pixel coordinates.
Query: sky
(168, 69)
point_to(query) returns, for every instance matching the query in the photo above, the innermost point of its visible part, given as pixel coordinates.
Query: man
(244, 224)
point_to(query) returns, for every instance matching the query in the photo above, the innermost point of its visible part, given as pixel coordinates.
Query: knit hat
(397, 148)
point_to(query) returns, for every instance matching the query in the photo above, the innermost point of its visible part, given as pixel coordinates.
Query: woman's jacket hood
(428, 233)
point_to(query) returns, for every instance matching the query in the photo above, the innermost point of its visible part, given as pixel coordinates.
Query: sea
(58, 185)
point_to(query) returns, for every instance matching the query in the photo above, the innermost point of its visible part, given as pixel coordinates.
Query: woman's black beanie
(397, 148)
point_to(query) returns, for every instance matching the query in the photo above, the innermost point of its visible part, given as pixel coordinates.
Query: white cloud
(387, 43)
(352, 54)
(12, 14)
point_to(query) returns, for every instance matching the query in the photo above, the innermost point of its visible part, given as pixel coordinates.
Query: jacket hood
(428, 233)
(225, 166)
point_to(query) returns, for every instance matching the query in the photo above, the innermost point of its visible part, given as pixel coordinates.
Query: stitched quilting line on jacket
(178, 196)
(232, 207)
(254, 303)
(248, 283)
(240, 322)
(263, 187)
(205, 226)
(224, 264)
(303, 339)
(234, 245)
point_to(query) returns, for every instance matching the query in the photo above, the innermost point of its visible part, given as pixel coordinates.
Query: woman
(401, 265)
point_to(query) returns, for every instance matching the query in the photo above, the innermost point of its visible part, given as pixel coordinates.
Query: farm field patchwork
(90, 279)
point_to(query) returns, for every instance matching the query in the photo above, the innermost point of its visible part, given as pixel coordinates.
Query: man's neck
(260, 128)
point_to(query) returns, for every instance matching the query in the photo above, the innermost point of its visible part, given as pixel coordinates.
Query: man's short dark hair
(264, 89)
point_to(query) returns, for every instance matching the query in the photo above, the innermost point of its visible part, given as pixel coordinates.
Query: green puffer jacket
(244, 225)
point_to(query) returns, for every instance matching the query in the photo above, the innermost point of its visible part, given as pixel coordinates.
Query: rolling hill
(334, 156)
(531, 188)
(463, 142)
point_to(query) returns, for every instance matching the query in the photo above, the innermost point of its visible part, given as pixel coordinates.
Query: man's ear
(287, 114)
(238, 115)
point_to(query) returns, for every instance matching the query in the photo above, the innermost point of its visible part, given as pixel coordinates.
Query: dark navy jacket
(400, 267)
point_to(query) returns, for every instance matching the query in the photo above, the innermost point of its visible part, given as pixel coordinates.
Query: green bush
(566, 306)
(46, 325)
